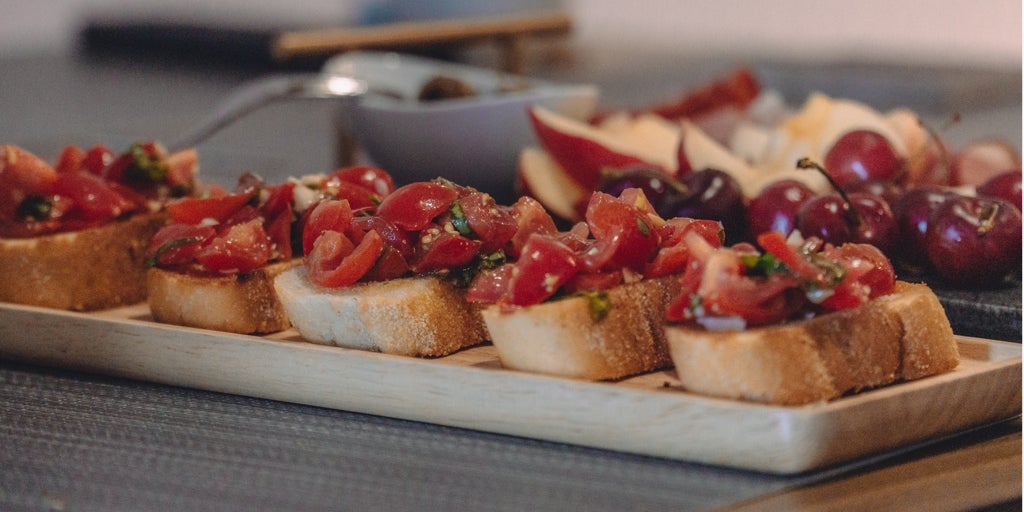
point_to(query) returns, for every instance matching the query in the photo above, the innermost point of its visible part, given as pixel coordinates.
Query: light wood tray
(647, 415)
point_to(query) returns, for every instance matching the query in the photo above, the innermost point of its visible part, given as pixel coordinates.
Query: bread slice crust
(86, 270)
(901, 336)
(244, 303)
(423, 316)
(560, 337)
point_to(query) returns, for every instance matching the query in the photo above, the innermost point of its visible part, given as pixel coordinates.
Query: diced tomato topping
(673, 254)
(281, 198)
(625, 235)
(390, 265)
(178, 244)
(444, 250)
(94, 199)
(241, 248)
(373, 179)
(531, 217)
(589, 281)
(493, 225)
(545, 265)
(775, 244)
(869, 274)
(393, 237)
(327, 215)
(335, 261)
(725, 292)
(97, 158)
(279, 229)
(195, 210)
(360, 197)
(71, 159)
(26, 172)
(182, 167)
(413, 207)
(491, 285)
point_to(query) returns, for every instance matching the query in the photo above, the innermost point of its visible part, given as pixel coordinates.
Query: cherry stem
(988, 218)
(852, 215)
(937, 140)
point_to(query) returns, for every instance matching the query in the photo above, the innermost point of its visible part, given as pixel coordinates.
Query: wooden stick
(308, 43)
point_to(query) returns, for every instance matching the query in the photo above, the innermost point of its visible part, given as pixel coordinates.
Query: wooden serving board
(649, 414)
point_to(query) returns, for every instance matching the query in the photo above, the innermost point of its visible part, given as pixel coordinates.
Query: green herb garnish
(171, 245)
(35, 207)
(145, 167)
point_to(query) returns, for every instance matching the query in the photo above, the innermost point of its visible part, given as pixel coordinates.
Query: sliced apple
(928, 159)
(848, 115)
(583, 149)
(541, 178)
(700, 151)
(980, 160)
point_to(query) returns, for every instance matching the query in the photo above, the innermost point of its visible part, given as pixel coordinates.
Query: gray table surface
(71, 441)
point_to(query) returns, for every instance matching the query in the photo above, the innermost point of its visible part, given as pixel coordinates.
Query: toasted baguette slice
(901, 336)
(90, 269)
(560, 337)
(243, 303)
(415, 316)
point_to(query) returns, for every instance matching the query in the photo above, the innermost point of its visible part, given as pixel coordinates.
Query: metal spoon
(265, 91)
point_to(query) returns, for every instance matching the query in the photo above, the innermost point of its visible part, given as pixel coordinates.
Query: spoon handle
(259, 93)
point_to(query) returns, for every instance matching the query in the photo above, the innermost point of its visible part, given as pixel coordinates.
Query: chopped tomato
(588, 281)
(71, 159)
(545, 265)
(93, 197)
(361, 198)
(493, 225)
(775, 244)
(869, 274)
(335, 261)
(491, 286)
(25, 171)
(393, 237)
(279, 229)
(241, 248)
(673, 255)
(97, 158)
(444, 250)
(177, 244)
(413, 207)
(195, 210)
(625, 236)
(327, 215)
(725, 291)
(371, 178)
(390, 265)
(280, 199)
(531, 217)
(182, 167)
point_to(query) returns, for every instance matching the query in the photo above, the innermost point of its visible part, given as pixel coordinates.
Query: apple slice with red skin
(981, 160)
(541, 178)
(583, 150)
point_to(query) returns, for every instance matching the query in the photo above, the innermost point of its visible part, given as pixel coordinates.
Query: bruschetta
(73, 234)
(797, 321)
(214, 263)
(395, 281)
(589, 303)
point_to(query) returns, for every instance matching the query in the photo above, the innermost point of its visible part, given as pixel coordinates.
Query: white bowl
(472, 141)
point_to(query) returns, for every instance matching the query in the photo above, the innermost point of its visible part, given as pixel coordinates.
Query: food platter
(648, 414)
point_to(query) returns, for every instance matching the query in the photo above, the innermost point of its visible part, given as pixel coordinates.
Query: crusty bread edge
(422, 316)
(902, 336)
(86, 270)
(560, 337)
(243, 303)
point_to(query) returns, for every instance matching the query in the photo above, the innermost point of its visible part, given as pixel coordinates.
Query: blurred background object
(942, 32)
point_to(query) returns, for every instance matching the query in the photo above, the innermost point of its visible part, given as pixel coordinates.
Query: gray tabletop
(72, 441)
